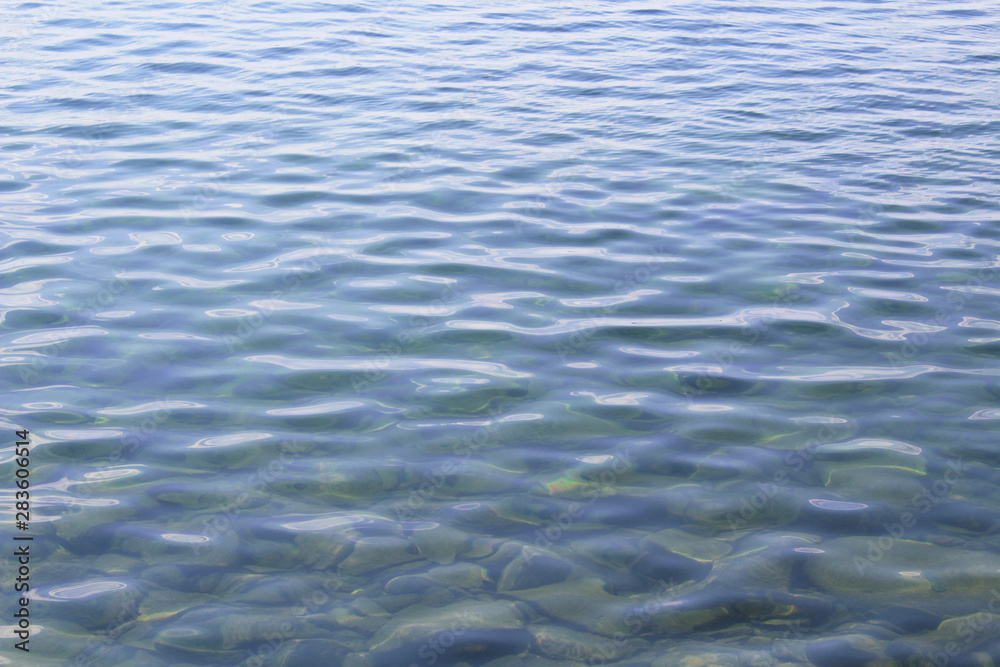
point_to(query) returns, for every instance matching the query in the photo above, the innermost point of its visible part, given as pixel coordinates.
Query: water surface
(548, 334)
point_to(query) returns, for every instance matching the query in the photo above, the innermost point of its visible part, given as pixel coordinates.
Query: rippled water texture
(555, 333)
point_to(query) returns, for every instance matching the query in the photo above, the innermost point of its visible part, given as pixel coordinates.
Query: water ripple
(661, 321)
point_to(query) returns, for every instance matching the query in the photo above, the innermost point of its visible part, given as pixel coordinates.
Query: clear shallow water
(581, 333)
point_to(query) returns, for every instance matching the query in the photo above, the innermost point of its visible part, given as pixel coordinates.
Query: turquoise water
(563, 333)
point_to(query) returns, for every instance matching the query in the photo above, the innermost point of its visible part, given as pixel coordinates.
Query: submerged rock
(437, 543)
(396, 603)
(468, 628)
(306, 653)
(477, 478)
(583, 603)
(272, 555)
(465, 576)
(181, 543)
(531, 568)
(674, 555)
(618, 550)
(460, 575)
(96, 604)
(199, 495)
(734, 506)
(91, 530)
(898, 619)
(869, 571)
(752, 584)
(281, 590)
(954, 637)
(843, 650)
(529, 660)
(895, 486)
(717, 607)
(376, 553)
(317, 550)
(343, 617)
(166, 602)
(410, 584)
(55, 641)
(137, 659)
(694, 547)
(340, 485)
(698, 654)
(490, 517)
(759, 562)
(561, 643)
(218, 629)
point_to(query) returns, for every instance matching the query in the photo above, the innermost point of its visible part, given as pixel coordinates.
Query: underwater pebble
(942, 580)
(531, 568)
(376, 553)
(859, 650)
(582, 602)
(439, 544)
(564, 644)
(308, 653)
(467, 626)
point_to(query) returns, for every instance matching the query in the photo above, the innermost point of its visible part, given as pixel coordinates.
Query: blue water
(520, 334)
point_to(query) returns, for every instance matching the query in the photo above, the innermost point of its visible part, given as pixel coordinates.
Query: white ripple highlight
(484, 367)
